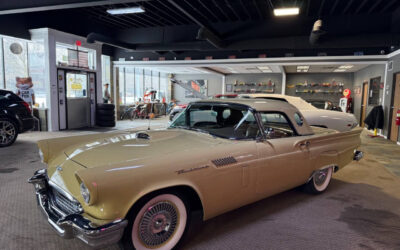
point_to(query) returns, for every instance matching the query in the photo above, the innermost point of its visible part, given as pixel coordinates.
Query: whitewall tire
(160, 223)
(319, 181)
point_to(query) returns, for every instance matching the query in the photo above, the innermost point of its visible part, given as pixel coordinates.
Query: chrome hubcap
(320, 176)
(7, 132)
(158, 224)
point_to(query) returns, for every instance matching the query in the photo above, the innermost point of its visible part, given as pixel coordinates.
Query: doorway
(364, 103)
(76, 95)
(394, 129)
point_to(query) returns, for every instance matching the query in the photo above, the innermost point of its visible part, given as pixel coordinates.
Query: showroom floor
(360, 209)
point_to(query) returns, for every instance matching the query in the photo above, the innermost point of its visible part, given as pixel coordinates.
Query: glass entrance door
(78, 100)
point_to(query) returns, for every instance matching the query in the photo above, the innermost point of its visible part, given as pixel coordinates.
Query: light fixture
(286, 11)
(339, 70)
(303, 68)
(129, 10)
(346, 66)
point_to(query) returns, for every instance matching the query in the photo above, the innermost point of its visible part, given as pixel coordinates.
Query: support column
(283, 80)
(223, 84)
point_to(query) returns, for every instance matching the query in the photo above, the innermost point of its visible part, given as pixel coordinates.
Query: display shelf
(241, 87)
(332, 88)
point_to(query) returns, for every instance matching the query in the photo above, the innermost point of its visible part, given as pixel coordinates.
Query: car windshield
(219, 120)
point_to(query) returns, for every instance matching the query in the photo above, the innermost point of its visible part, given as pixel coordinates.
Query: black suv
(15, 117)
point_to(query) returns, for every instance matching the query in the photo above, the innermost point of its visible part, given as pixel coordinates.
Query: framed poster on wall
(195, 86)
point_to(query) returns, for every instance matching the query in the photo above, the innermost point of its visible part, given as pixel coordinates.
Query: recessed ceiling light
(303, 67)
(286, 11)
(264, 67)
(129, 10)
(339, 70)
(346, 66)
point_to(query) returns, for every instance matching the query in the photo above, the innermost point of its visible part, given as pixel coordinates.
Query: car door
(284, 157)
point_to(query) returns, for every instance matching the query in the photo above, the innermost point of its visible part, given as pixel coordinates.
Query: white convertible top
(298, 102)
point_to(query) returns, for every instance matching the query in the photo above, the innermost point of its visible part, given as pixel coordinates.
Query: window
(299, 119)
(374, 91)
(220, 121)
(37, 71)
(130, 85)
(138, 84)
(121, 82)
(147, 80)
(155, 82)
(76, 85)
(276, 125)
(163, 87)
(105, 69)
(65, 56)
(15, 61)
(2, 83)
(62, 54)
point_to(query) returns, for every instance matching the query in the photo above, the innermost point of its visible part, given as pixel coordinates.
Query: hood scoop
(143, 135)
(224, 161)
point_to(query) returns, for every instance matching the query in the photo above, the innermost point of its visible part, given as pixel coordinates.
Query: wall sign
(347, 92)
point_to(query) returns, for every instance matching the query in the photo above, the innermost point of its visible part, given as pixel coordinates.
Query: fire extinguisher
(398, 117)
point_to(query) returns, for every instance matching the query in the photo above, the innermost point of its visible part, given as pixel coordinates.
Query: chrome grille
(64, 204)
(224, 161)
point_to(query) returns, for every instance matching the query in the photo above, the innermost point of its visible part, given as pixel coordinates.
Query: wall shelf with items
(315, 88)
(241, 87)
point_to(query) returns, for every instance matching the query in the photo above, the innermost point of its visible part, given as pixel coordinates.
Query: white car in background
(315, 117)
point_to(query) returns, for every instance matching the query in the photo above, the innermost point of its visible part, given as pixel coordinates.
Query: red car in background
(225, 96)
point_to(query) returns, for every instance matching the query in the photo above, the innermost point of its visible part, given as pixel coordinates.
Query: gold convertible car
(139, 188)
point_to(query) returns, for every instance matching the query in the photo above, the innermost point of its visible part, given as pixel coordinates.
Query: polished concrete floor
(360, 209)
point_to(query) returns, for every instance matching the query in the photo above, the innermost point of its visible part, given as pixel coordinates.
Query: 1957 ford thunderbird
(138, 188)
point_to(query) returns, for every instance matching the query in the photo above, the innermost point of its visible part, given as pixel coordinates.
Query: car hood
(128, 148)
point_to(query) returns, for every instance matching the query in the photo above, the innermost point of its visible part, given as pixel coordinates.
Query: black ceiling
(218, 28)
(163, 13)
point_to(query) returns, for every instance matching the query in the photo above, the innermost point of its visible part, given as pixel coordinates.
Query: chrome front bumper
(358, 155)
(74, 225)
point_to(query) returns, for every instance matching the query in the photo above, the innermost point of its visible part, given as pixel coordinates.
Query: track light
(286, 11)
(129, 10)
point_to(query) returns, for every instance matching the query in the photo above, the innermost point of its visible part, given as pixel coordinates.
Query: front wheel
(319, 181)
(159, 224)
(8, 132)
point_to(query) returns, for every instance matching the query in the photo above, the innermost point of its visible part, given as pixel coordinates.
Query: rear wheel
(157, 224)
(8, 132)
(319, 181)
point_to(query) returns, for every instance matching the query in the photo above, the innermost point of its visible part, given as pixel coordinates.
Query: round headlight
(85, 193)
